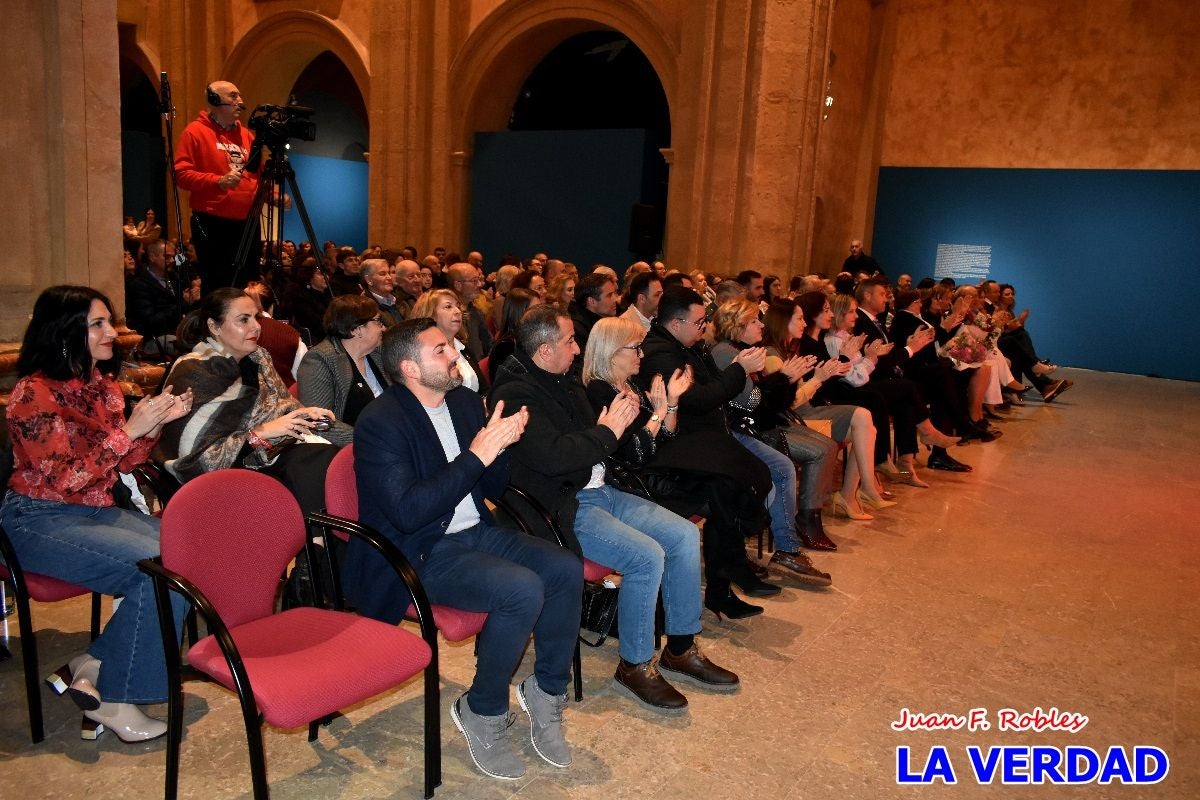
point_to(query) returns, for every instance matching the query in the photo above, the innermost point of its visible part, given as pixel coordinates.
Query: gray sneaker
(545, 722)
(487, 739)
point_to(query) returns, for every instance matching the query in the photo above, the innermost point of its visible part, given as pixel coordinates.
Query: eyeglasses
(699, 323)
(637, 348)
(377, 319)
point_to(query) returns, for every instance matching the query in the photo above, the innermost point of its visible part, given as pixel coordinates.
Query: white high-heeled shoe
(127, 721)
(78, 677)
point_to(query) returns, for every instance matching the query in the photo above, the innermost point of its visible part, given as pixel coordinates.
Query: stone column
(745, 136)
(60, 212)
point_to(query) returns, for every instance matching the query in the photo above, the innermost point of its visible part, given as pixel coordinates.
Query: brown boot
(695, 668)
(801, 568)
(646, 685)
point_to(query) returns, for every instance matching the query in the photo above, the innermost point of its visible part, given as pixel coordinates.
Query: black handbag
(599, 613)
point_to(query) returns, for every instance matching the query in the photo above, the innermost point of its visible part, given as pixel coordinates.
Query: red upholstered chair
(341, 500)
(299, 666)
(44, 589)
(294, 390)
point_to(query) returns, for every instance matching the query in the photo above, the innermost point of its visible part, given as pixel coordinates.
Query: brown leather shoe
(644, 684)
(801, 568)
(695, 668)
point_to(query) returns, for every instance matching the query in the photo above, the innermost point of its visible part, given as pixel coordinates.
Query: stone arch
(267, 60)
(503, 50)
(506, 46)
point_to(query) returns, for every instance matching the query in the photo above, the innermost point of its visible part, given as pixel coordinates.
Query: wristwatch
(655, 418)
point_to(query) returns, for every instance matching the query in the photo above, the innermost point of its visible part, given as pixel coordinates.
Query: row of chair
(296, 667)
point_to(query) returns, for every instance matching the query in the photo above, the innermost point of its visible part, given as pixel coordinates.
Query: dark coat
(151, 309)
(554, 458)
(891, 365)
(408, 491)
(703, 406)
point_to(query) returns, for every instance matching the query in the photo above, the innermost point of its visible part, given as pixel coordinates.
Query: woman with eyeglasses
(344, 371)
(685, 468)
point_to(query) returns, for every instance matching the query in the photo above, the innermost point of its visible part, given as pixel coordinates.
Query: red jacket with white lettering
(206, 152)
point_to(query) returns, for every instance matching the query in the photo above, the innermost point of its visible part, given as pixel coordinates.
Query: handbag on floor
(599, 613)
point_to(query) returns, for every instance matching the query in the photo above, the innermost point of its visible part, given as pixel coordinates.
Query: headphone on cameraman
(213, 98)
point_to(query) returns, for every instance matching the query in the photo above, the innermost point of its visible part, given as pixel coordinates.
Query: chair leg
(577, 668)
(433, 730)
(760, 543)
(193, 630)
(95, 615)
(258, 757)
(29, 657)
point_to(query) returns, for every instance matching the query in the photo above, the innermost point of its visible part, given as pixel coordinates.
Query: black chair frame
(166, 581)
(29, 653)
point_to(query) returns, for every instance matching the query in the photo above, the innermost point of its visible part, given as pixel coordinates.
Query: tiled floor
(1062, 572)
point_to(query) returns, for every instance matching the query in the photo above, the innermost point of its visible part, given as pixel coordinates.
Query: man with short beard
(427, 458)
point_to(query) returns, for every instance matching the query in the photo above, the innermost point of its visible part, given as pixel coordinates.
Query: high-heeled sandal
(938, 440)
(867, 500)
(842, 509)
(911, 478)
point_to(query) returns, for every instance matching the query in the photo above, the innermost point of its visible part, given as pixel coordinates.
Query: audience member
(379, 280)
(560, 461)
(467, 283)
(859, 261)
(70, 440)
(444, 308)
(344, 372)
(426, 459)
(595, 297)
(642, 295)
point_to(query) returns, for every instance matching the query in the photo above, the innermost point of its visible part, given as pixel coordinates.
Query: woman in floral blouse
(70, 439)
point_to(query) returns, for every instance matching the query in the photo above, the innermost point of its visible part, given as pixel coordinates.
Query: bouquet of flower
(965, 350)
(991, 330)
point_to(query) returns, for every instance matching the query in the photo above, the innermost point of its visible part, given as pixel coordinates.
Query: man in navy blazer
(425, 458)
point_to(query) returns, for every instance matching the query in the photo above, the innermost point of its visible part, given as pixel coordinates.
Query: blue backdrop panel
(335, 194)
(567, 193)
(1105, 259)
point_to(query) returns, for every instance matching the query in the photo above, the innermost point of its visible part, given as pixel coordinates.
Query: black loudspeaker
(213, 98)
(645, 230)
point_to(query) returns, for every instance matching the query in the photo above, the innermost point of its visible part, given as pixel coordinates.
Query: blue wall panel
(567, 193)
(1106, 260)
(335, 195)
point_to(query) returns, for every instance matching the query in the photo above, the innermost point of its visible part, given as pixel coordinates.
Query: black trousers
(1017, 347)
(217, 240)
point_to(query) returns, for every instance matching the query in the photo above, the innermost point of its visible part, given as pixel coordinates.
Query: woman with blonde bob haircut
(694, 467)
(442, 306)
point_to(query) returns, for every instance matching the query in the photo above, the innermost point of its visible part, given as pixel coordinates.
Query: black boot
(743, 575)
(722, 601)
(811, 530)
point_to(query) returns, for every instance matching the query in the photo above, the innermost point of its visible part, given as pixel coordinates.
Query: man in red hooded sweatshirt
(210, 162)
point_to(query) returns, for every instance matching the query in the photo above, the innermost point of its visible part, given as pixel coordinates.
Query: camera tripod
(277, 175)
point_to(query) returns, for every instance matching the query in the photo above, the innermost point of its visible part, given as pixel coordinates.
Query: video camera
(274, 125)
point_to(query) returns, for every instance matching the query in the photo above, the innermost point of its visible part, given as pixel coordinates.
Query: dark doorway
(143, 148)
(578, 172)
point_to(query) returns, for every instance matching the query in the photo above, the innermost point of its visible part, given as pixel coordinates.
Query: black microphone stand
(168, 113)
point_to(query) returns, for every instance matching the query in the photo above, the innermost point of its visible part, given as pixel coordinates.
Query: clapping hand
(618, 414)
(852, 346)
(797, 366)
(831, 369)
(879, 348)
(658, 395)
(752, 359)
(499, 433)
(920, 338)
(681, 381)
(151, 413)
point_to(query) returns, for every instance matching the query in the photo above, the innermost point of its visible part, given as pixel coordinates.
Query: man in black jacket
(152, 306)
(560, 461)
(425, 460)
(674, 342)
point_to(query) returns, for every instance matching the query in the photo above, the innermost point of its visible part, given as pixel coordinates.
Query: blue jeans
(649, 546)
(525, 584)
(782, 505)
(99, 548)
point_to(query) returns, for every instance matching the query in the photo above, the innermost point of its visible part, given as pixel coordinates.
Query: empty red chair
(291, 668)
